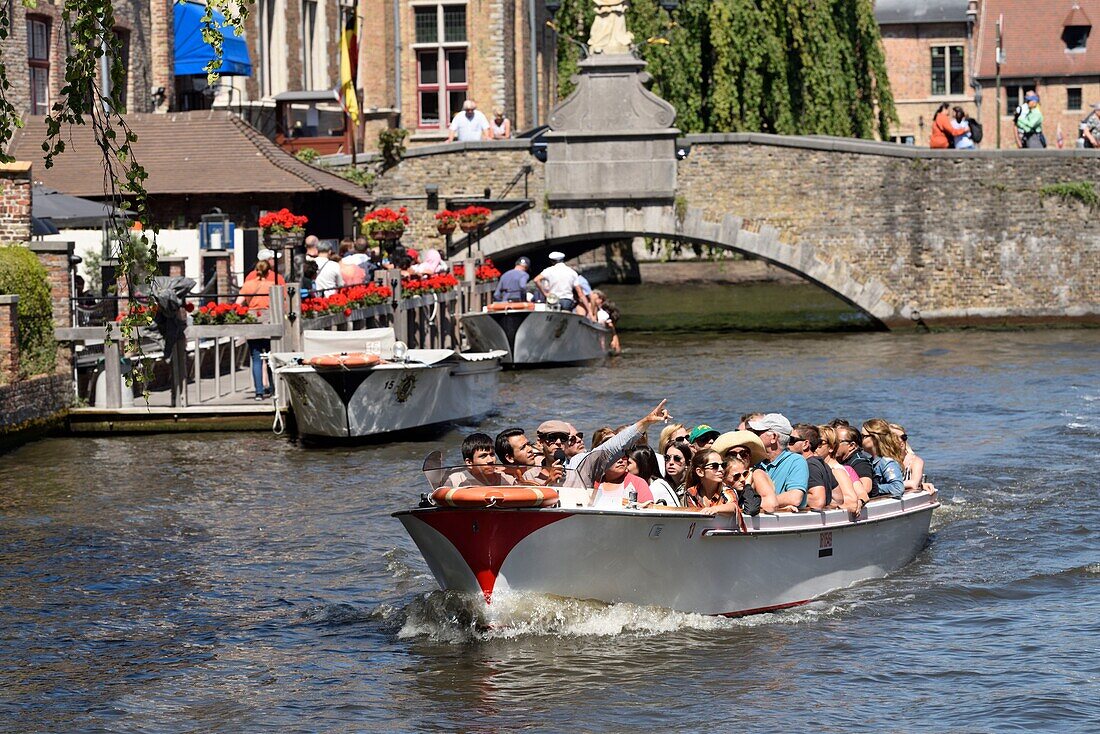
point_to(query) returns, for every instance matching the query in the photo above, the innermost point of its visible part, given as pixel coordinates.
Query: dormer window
(1075, 30)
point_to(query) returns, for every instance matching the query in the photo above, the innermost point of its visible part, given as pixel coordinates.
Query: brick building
(928, 57)
(34, 54)
(424, 57)
(1049, 47)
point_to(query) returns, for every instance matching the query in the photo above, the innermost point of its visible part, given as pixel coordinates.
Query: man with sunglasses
(788, 470)
(826, 473)
(587, 468)
(850, 453)
(574, 444)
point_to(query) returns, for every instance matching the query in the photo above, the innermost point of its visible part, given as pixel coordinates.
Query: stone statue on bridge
(609, 34)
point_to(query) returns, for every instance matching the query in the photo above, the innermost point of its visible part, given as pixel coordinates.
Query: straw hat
(748, 439)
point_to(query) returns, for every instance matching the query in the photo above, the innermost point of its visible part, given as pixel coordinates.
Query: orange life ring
(344, 359)
(504, 496)
(511, 306)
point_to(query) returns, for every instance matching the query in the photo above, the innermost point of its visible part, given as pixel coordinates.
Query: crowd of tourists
(767, 464)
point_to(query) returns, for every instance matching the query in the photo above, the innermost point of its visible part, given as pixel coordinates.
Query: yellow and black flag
(349, 63)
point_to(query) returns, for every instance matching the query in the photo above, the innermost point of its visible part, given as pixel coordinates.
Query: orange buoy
(511, 306)
(344, 359)
(508, 495)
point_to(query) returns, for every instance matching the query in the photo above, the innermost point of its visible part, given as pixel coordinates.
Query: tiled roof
(208, 152)
(1033, 43)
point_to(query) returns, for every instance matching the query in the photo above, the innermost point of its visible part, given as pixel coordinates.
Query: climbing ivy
(781, 66)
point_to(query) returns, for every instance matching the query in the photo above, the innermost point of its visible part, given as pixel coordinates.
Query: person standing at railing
(328, 270)
(255, 294)
(268, 256)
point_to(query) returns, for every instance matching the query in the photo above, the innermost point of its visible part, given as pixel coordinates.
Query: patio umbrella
(70, 211)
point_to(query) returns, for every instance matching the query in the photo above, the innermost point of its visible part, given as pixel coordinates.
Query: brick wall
(30, 406)
(9, 339)
(15, 201)
(132, 16)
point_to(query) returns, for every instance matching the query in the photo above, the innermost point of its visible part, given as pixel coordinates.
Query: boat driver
(481, 465)
(561, 280)
(512, 286)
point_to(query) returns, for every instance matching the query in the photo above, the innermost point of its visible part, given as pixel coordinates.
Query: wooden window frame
(444, 87)
(38, 65)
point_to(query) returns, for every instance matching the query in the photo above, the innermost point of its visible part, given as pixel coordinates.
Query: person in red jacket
(941, 127)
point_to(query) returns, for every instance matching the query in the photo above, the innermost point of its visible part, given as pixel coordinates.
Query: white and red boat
(671, 558)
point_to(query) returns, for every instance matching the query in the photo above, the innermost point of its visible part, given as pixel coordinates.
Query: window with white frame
(948, 73)
(38, 59)
(441, 49)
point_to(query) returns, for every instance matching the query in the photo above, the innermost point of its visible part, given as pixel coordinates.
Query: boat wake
(458, 618)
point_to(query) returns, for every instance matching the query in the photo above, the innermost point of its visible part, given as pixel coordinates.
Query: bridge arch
(538, 232)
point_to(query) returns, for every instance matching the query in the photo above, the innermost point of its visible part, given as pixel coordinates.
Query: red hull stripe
(761, 610)
(485, 538)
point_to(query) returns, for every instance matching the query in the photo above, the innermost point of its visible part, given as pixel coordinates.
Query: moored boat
(670, 558)
(536, 335)
(364, 384)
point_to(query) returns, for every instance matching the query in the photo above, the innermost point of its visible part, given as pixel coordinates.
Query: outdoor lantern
(215, 231)
(669, 5)
(553, 6)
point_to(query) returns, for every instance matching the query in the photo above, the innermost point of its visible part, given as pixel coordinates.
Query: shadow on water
(748, 307)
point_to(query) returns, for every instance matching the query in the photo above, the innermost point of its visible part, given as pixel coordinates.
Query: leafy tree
(782, 66)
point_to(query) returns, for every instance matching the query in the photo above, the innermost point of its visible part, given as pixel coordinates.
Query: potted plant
(283, 225)
(446, 221)
(472, 217)
(385, 224)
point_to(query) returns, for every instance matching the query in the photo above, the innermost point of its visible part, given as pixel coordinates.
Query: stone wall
(9, 339)
(461, 171)
(956, 235)
(15, 201)
(31, 407)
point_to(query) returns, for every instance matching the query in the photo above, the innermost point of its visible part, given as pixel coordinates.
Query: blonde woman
(913, 464)
(500, 127)
(669, 434)
(888, 478)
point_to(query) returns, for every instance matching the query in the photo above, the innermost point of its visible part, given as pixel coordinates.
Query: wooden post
(113, 367)
(400, 315)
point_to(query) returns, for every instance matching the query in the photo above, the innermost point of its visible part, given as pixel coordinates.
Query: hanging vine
(87, 99)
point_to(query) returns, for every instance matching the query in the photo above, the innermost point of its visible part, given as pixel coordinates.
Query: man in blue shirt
(788, 471)
(512, 286)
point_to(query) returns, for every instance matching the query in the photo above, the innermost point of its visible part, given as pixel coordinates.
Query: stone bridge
(901, 233)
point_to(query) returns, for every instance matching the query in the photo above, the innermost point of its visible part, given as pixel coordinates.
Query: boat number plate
(655, 531)
(825, 545)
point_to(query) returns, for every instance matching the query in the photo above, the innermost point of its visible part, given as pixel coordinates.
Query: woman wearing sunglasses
(888, 478)
(913, 464)
(746, 447)
(614, 490)
(677, 460)
(704, 490)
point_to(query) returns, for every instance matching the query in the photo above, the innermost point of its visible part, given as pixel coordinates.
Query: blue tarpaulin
(193, 53)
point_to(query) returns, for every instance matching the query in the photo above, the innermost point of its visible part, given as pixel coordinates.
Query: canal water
(238, 582)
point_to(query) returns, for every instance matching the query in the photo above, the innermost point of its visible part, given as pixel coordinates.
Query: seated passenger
(702, 436)
(846, 498)
(552, 436)
(481, 467)
(677, 461)
(744, 424)
(591, 465)
(849, 453)
(788, 470)
(824, 490)
(669, 434)
(643, 463)
(518, 456)
(888, 478)
(574, 444)
(704, 490)
(913, 464)
(749, 450)
(602, 435)
(613, 490)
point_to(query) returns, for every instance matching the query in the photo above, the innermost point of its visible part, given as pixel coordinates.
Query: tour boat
(486, 540)
(363, 384)
(536, 335)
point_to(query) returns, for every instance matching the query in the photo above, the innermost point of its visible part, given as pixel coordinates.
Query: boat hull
(369, 402)
(681, 561)
(537, 338)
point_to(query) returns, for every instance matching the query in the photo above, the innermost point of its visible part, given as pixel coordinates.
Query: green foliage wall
(21, 274)
(813, 67)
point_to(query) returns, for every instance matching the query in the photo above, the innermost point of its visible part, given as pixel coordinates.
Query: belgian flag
(349, 63)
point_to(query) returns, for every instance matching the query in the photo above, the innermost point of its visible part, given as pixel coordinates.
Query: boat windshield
(498, 474)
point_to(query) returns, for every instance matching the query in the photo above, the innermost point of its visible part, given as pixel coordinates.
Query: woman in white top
(643, 463)
(500, 127)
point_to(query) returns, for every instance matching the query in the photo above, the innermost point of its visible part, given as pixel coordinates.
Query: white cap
(557, 256)
(265, 254)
